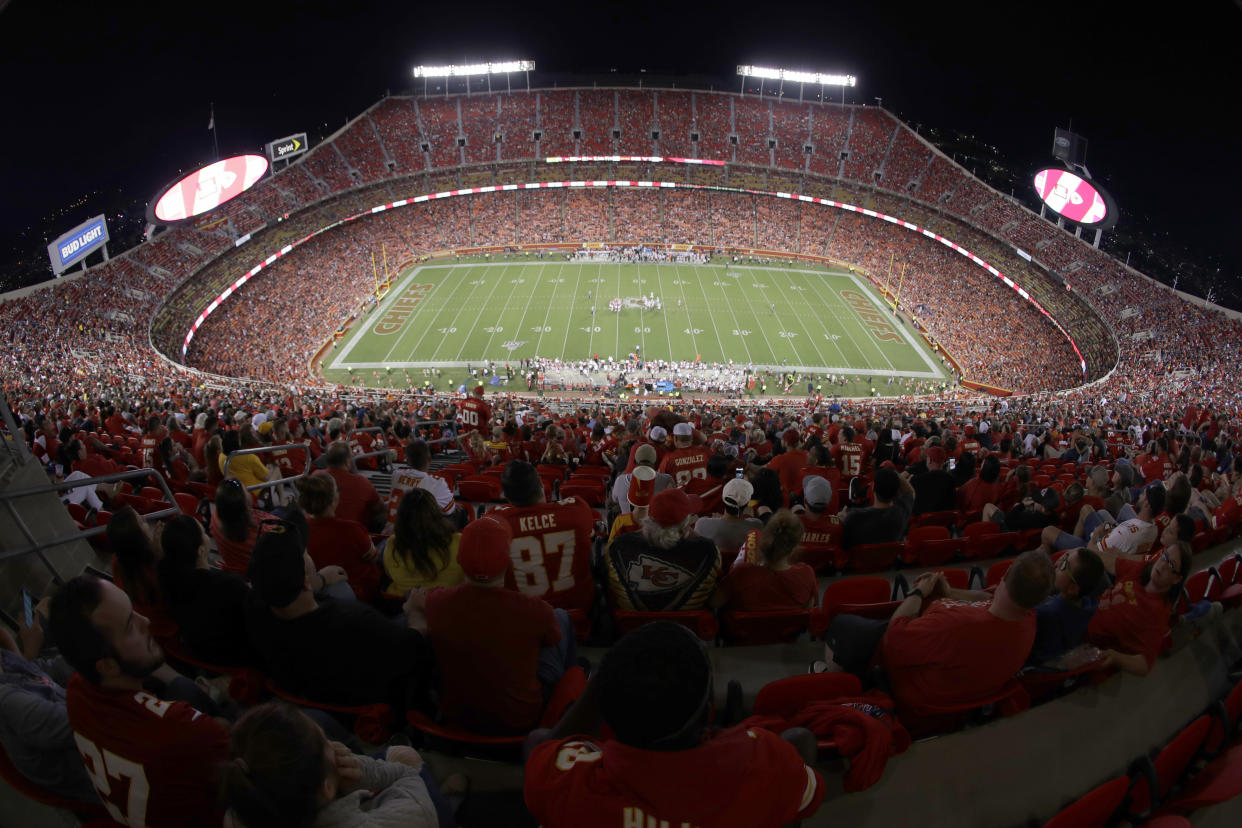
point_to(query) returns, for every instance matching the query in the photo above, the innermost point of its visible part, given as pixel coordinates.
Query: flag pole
(211, 125)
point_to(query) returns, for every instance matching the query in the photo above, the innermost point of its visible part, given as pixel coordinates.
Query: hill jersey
(474, 415)
(684, 464)
(551, 551)
(153, 762)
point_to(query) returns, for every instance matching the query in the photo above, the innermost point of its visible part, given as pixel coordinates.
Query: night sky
(106, 102)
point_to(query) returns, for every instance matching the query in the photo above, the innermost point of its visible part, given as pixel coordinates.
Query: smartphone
(952, 463)
(28, 606)
(740, 474)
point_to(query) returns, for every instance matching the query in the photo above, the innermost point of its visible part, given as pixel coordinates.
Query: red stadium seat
(372, 722)
(873, 557)
(1154, 778)
(1094, 809)
(479, 489)
(931, 546)
(868, 596)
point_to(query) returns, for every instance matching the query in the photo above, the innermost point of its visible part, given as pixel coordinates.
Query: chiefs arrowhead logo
(649, 574)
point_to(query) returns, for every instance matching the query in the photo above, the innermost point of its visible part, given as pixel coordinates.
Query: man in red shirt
(499, 651)
(551, 542)
(789, 463)
(686, 461)
(152, 762)
(654, 691)
(821, 539)
(358, 499)
(474, 414)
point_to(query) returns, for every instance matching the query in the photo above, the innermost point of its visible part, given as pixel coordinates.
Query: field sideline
(813, 321)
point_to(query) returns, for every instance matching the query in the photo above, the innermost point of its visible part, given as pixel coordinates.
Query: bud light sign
(77, 244)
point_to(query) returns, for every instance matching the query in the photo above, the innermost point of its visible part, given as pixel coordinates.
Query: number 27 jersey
(153, 762)
(551, 551)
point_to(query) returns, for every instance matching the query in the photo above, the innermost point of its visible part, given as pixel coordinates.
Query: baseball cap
(642, 486)
(816, 491)
(790, 437)
(483, 552)
(683, 430)
(478, 389)
(645, 455)
(937, 455)
(658, 434)
(671, 506)
(737, 492)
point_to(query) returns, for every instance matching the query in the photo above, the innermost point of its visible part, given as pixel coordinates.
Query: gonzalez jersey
(153, 762)
(685, 463)
(474, 415)
(755, 779)
(551, 551)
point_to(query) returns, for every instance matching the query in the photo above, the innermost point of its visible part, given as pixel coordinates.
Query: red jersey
(153, 762)
(344, 543)
(752, 587)
(683, 464)
(551, 551)
(149, 452)
(1129, 618)
(357, 495)
(954, 653)
(487, 645)
(789, 467)
(756, 780)
(821, 540)
(474, 415)
(850, 457)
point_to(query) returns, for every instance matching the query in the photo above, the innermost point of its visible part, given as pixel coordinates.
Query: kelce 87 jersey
(551, 551)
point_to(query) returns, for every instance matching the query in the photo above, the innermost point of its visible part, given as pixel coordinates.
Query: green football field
(448, 315)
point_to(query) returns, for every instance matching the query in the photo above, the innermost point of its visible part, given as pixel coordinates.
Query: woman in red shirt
(235, 525)
(768, 579)
(336, 542)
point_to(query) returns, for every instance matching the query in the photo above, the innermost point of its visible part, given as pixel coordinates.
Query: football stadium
(847, 489)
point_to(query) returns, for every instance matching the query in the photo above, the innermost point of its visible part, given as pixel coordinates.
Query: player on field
(551, 546)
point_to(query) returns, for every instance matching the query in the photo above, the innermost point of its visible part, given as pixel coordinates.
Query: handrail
(269, 450)
(37, 547)
(14, 438)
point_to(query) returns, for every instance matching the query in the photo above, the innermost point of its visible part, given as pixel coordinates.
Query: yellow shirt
(405, 577)
(247, 468)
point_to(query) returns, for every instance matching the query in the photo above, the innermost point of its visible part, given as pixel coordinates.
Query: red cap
(790, 436)
(478, 389)
(937, 455)
(671, 506)
(483, 552)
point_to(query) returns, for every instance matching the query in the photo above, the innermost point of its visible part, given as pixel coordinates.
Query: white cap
(737, 492)
(683, 430)
(658, 433)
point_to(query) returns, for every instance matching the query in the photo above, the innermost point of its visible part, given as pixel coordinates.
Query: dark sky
(115, 96)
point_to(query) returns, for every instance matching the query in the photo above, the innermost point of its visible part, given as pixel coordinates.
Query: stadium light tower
(795, 76)
(467, 70)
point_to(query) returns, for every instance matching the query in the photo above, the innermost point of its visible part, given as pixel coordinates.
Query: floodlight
(463, 70)
(796, 77)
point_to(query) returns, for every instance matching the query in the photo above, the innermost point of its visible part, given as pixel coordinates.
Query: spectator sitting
(822, 530)
(654, 691)
(789, 463)
(729, 530)
(34, 722)
(710, 489)
(644, 455)
(1133, 616)
(981, 490)
(285, 772)
(334, 541)
(767, 495)
(886, 520)
(935, 490)
(642, 485)
(663, 567)
(768, 579)
(359, 501)
(342, 652)
(176, 749)
(940, 653)
(235, 524)
(1035, 512)
(415, 475)
(1134, 535)
(1061, 621)
(247, 468)
(423, 549)
(500, 651)
(135, 552)
(207, 604)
